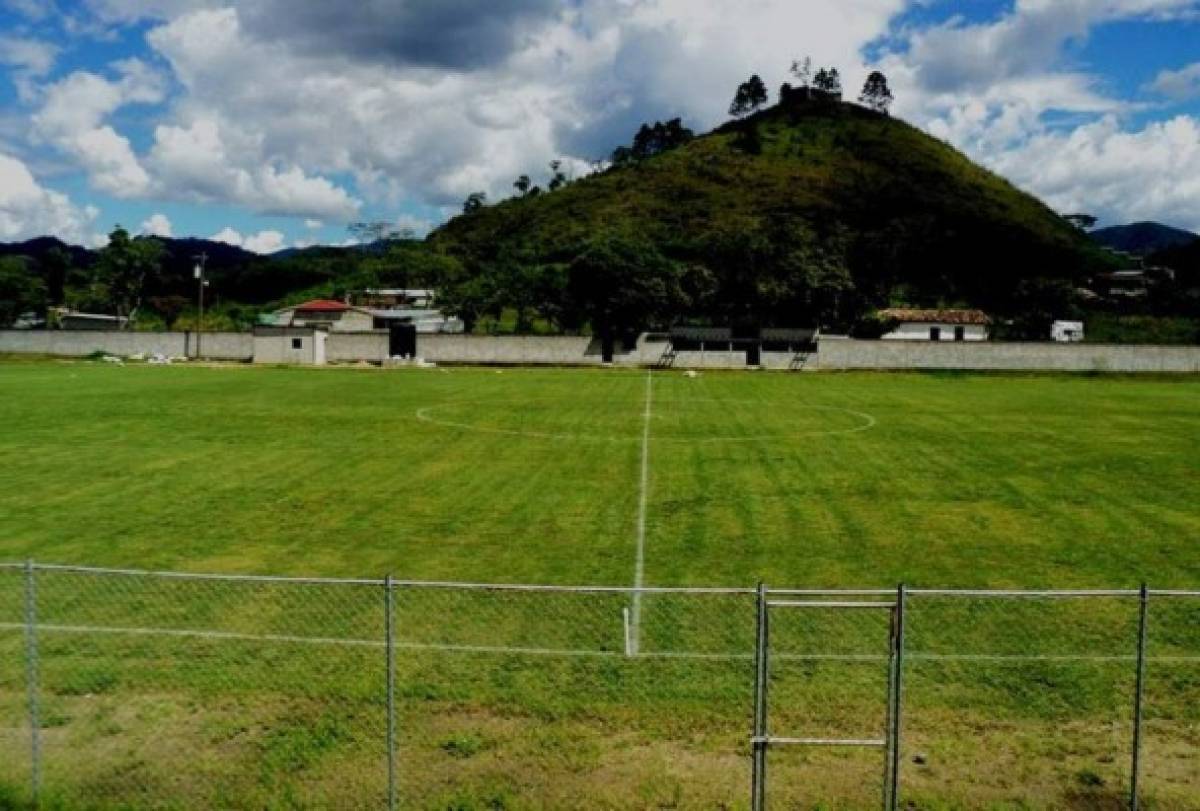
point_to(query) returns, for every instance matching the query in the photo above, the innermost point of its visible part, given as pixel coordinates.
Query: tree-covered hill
(810, 211)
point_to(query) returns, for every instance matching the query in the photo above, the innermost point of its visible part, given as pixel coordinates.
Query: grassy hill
(795, 203)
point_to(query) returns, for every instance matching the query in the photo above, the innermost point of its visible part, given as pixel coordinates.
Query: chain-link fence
(126, 689)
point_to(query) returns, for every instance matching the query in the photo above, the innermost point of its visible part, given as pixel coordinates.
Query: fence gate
(891, 649)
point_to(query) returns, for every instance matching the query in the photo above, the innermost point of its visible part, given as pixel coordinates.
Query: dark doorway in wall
(402, 341)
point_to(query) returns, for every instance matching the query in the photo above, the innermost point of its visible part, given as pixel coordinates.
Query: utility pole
(201, 283)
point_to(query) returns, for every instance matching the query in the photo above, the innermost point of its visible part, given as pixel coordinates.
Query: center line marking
(639, 570)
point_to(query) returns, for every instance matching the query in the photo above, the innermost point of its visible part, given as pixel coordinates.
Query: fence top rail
(1030, 593)
(531, 587)
(243, 578)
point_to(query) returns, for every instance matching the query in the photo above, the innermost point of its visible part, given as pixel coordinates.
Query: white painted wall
(280, 347)
(920, 332)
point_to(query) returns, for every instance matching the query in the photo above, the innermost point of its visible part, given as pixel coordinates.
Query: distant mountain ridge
(1142, 238)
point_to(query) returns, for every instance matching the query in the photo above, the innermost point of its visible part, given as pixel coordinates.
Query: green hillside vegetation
(812, 211)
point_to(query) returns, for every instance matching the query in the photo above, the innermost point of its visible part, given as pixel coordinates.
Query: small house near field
(326, 314)
(291, 345)
(936, 325)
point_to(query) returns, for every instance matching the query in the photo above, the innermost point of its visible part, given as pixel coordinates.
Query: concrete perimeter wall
(78, 343)
(531, 350)
(352, 347)
(842, 353)
(515, 349)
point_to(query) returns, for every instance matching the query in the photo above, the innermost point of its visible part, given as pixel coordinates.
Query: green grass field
(549, 476)
(534, 476)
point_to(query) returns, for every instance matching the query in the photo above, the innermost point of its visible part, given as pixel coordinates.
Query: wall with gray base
(79, 343)
(842, 353)
(504, 349)
(353, 347)
(532, 350)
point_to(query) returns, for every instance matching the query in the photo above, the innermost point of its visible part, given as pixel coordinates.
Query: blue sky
(276, 122)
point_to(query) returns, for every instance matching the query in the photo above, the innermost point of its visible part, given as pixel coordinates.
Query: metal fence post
(389, 632)
(31, 680)
(758, 777)
(1139, 690)
(893, 794)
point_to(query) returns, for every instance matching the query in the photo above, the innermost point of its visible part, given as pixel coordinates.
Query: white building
(1067, 332)
(936, 325)
(291, 345)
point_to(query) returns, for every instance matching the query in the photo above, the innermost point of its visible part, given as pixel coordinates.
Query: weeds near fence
(121, 688)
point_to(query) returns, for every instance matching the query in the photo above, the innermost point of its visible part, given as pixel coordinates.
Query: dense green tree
(56, 267)
(622, 285)
(125, 266)
(475, 201)
(750, 96)
(1038, 303)
(876, 95)
(523, 184)
(558, 178)
(828, 80)
(20, 291)
(652, 140)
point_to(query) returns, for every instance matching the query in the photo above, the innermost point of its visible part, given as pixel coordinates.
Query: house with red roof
(326, 314)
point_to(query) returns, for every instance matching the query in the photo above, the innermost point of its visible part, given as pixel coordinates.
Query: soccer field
(563, 476)
(170, 693)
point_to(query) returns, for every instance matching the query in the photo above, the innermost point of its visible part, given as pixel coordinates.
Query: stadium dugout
(797, 343)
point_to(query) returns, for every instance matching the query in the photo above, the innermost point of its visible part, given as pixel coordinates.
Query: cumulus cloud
(573, 84)
(999, 90)
(73, 115)
(267, 241)
(157, 225)
(1148, 174)
(455, 34)
(196, 163)
(31, 55)
(29, 210)
(283, 104)
(1181, 85)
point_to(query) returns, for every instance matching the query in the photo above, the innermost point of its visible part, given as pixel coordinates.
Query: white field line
(234, 636)
(639, 567)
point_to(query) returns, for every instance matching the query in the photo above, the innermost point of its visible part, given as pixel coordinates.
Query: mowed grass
(533, 476)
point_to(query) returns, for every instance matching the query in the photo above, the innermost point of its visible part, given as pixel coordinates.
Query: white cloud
(31, 55)
(29, 210)
(1006, 92)
(195, 163)
(264, 242)
(1179, 84)
(157, 225)
(313, 225)
(280, 100)
(1148, 174)
(577, 84)
(72, 118)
